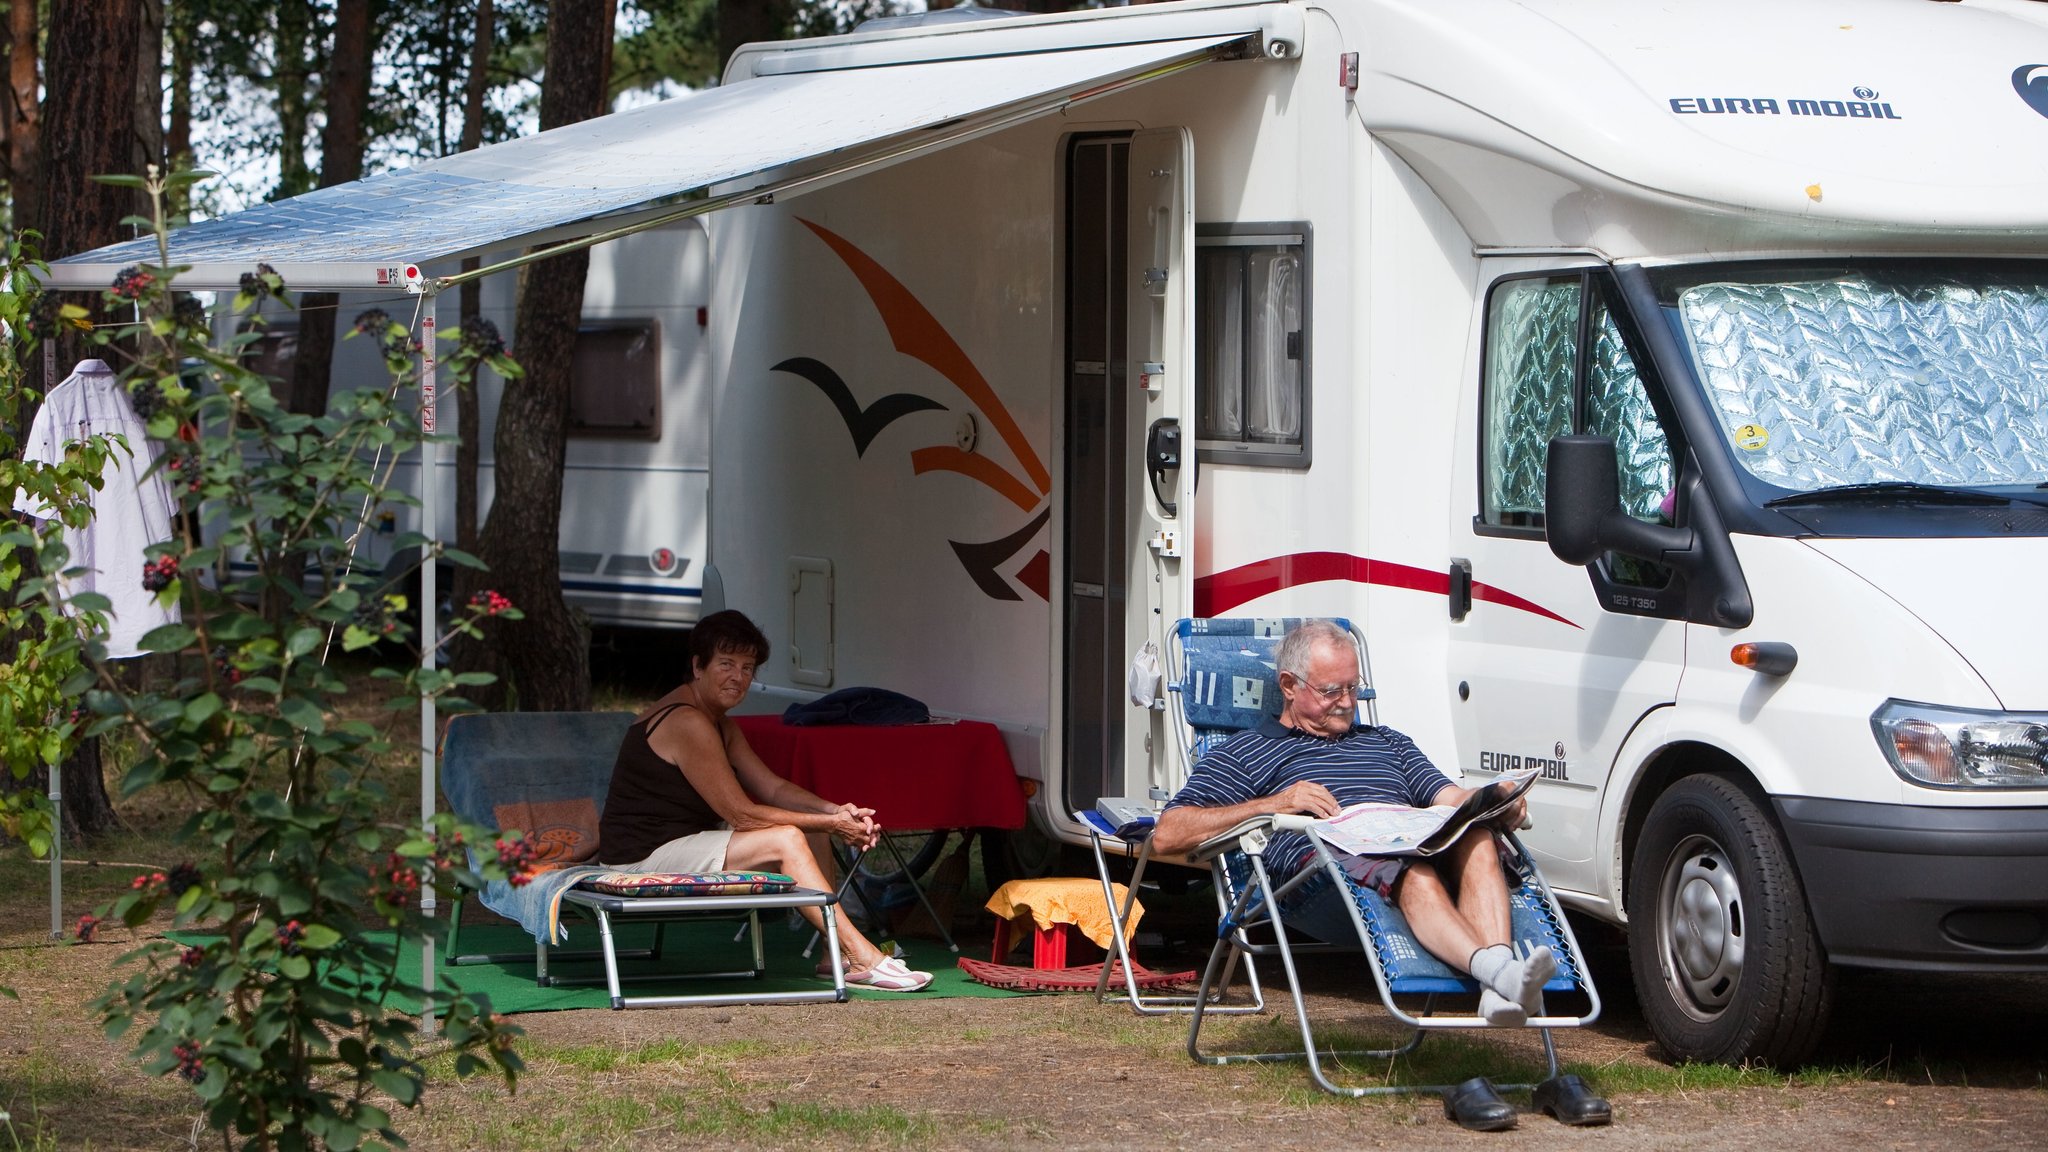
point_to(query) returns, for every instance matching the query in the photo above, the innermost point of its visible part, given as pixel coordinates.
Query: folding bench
(1224, 681)
(546, 774)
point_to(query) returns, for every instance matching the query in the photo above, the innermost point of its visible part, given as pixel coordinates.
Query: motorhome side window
(1252, 344)
(615, 381)
(1540, 382)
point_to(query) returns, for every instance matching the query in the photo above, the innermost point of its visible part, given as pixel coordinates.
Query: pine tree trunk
(746, 21)
(24, 117)
(468, 417)
(341, 160)
(89, 112)
(546, 656)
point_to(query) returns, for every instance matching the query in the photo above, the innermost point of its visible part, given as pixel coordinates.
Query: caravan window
(615, 383)
(1556, 363)
(1251, 344)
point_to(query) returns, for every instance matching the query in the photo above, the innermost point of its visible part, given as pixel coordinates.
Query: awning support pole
(430, 520)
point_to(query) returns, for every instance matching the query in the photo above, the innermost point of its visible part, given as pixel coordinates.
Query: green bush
(282, 1016)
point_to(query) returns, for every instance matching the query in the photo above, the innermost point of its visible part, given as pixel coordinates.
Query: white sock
(1499, 1011)
(1487, 965)
(1537, 968)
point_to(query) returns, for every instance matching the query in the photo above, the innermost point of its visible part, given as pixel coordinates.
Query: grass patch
(1672, 1078)
(606, 1058)
(604, 1120)
(722, 1114)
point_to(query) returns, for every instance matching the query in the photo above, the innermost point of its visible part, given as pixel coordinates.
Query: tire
(1728, 967)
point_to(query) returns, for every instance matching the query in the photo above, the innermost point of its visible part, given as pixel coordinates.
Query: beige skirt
(697, 852)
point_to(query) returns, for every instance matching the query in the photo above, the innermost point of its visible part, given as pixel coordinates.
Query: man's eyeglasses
(1334, 692)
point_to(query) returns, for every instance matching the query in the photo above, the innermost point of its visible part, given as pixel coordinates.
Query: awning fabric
(378, 232)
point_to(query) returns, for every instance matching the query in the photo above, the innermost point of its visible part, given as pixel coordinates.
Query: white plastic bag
(1143, 678)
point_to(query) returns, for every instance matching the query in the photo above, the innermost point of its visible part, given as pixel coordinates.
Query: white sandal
(889, 975)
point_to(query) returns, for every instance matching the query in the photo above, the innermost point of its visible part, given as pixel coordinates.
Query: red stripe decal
(1222, 591)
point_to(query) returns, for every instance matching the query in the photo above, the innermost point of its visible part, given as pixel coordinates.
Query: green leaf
(303, 641)
(303, 714)
(458, 556)
(92, 602)
(397, 1085)
(202, 708)
(294, 967)
(355, 638)
(319, 936)
(120, 180)
(168, 638)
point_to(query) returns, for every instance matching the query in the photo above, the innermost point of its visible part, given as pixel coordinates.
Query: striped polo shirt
(1367, 763)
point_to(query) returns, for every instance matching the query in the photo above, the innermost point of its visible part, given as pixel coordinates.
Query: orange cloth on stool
(1064, 901)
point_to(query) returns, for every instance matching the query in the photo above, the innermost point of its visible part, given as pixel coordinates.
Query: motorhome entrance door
(1129, 503)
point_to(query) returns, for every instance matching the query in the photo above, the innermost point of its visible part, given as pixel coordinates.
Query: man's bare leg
(1471, 932)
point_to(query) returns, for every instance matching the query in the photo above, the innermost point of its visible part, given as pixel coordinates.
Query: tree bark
(24, 117)
(468, 417)
(546, 656)
(745, 21)
(94, 52)
(290, 81)
(341, 160)
(147, 147)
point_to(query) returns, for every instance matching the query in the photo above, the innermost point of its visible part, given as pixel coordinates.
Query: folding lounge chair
(1226, 680)
(547, 773)
(1219, 681)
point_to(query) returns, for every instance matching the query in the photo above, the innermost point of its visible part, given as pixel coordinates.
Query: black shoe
(1571, 1101)
(1476, 1106)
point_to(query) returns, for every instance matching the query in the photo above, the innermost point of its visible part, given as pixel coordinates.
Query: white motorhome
(1284, 318)
(637, 467)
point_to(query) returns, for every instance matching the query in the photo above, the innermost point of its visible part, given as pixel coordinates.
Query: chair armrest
(1249, 836)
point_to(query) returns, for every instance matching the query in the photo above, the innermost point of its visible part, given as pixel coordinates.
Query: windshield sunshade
(1920, 377)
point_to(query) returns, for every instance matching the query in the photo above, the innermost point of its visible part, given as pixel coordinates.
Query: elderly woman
(689, 795)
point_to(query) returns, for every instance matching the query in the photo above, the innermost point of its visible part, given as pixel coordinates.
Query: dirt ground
(1912, 1063)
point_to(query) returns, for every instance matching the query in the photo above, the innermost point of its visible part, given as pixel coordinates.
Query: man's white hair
(1301, 643)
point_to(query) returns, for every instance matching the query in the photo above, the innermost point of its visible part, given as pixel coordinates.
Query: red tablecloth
(915, 776)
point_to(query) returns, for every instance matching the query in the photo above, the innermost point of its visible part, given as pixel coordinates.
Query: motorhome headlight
(1962, 747)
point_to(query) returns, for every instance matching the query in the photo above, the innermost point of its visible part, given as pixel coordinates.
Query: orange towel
(1064, 901)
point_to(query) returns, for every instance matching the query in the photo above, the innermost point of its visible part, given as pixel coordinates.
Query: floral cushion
(687, 883)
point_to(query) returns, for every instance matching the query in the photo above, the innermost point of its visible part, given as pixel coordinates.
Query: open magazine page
(1373, 829)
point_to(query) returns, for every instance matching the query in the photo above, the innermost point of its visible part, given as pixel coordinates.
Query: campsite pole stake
(56, 770)
(430, 500)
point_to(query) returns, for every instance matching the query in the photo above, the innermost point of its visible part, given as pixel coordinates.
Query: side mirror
(1579, 493)
(1583, 518)
(1582, 514)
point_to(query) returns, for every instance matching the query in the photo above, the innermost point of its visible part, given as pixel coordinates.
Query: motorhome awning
(776, 135)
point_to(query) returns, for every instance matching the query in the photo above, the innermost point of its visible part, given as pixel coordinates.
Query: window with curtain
(1251, 344)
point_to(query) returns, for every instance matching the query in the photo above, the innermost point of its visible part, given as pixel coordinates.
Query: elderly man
(1315, 759)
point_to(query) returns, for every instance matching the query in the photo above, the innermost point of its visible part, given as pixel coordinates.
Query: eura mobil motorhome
(1663, 387)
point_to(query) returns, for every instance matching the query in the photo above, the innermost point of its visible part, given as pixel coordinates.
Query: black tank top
(650, 801)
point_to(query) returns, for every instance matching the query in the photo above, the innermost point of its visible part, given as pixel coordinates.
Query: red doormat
(1081, 978)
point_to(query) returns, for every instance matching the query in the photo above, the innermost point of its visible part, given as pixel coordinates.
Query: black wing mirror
(1583, 518)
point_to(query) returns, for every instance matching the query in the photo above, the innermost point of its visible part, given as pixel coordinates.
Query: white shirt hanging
(130, 512)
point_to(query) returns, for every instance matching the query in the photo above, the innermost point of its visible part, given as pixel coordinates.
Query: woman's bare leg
(782, 848)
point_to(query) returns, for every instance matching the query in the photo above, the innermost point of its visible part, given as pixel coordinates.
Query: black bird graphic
(864, 424)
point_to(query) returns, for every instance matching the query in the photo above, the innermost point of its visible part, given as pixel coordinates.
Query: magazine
(1372, 829)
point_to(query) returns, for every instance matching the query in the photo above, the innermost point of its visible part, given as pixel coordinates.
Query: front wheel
(1727, 964)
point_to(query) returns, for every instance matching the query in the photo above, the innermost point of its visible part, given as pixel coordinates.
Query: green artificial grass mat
(701, 945)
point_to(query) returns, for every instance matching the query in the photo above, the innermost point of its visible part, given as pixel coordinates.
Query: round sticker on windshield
(1752, 438)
